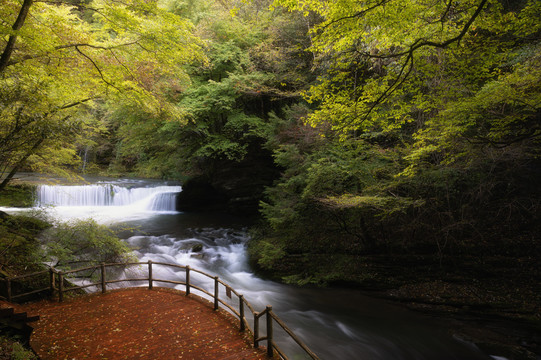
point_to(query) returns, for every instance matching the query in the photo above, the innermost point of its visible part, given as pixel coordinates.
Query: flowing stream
(336, 324)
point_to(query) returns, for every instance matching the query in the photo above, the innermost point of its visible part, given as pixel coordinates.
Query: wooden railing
(58, 285)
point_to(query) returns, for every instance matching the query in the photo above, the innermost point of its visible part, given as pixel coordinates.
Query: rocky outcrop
(235, 187)
(199, 195)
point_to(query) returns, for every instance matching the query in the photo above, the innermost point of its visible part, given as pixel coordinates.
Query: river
(340, 324)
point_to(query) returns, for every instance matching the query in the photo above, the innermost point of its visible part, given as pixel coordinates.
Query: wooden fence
(58, 285)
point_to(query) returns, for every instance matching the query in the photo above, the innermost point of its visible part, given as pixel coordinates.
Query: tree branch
(21, 161)
(442, 18)
(67, 106)
(96, 67)
(395, 85)
(409, 53)
(8, 50)
(360, 13)
(419, 43)
(95, 46)
(400, 79)
(68, 46)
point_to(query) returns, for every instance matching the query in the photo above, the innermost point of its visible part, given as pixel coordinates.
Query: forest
(380, 144)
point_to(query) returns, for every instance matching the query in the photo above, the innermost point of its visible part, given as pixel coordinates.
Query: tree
(392, 62)
(131, 52)
(449, 94)
(19, 248)
(256, 64)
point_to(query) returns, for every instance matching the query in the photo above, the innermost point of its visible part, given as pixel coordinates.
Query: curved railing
(56, 284)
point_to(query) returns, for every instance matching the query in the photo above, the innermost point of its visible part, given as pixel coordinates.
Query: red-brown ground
(137, 323)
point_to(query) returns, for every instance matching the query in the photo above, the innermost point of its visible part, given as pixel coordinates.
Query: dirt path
(137, 323)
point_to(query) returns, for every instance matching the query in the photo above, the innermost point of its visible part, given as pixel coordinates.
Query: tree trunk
(20, 163)
(8, 50)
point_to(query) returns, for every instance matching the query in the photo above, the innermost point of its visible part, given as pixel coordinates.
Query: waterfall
(84, 157)
(159, 198)
(166, 201)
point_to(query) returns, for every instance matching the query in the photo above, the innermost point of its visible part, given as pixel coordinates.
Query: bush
(20, 195)
(10, 349)
(84, 241)
(19, 249)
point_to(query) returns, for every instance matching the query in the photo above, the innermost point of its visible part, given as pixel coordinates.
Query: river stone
(197, 248)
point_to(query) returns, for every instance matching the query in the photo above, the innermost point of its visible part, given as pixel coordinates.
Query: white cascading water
(164, 201)
(106, 202)
(160, 198)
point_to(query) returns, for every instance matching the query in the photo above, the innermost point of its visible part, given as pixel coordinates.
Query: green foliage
(327, 173)
(19, 248)
(19, 195)
(11, 348)
(268, 253)
(386, 205)
(33, 131)
(223, 130)
(146, 144)
(83, 241)
(195, 10)
(429, 121)
(154, 94)
(413, 61)
(451, 90)
(131, 52)
(503, 114)
(223, 116)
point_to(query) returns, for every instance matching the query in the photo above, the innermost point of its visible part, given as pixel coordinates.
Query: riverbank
(492, 316)
(497, 309)
(486, 291)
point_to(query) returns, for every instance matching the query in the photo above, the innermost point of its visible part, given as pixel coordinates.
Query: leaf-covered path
(137, 323)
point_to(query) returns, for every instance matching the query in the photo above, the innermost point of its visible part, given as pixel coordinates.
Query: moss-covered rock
(197, 248)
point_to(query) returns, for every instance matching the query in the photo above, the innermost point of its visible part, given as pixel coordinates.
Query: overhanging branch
(407, 66)
(67, 106)
(358, 14)
(75, 46)
(96, 67)
(419, 43)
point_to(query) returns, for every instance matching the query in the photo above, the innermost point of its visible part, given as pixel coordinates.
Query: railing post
(270, 352)
(216, 288)
(241, 312)
(150, 275)
(60, 286)
(187, 280)
(51, 280)
(8, 289)
(103, 284)
(256, 330)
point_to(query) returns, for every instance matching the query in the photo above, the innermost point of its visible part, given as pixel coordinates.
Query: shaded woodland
(383, 144)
